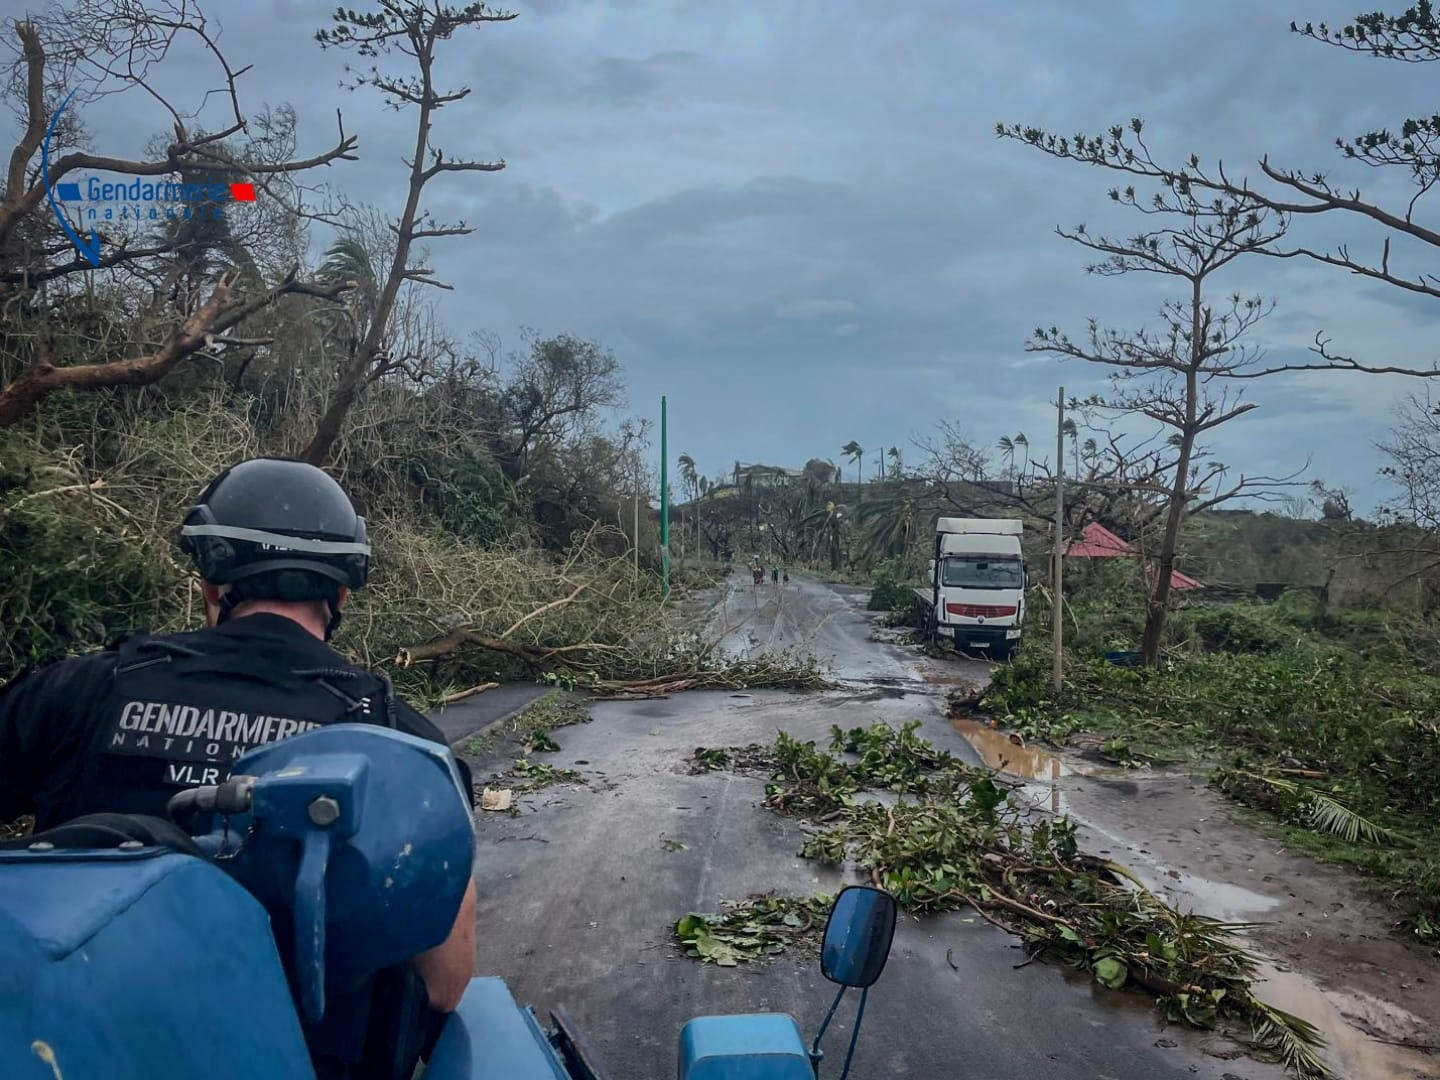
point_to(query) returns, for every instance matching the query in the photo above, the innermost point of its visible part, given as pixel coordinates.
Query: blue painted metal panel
(152, 995)
(402, 845)
(758, 1046)
(491, 1038)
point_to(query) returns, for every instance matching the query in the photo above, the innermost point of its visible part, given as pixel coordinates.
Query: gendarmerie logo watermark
(79, 204)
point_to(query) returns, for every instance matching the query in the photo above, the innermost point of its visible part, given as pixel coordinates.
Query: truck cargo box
(994, 526)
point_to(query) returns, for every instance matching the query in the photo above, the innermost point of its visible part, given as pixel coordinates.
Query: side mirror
(858, 936)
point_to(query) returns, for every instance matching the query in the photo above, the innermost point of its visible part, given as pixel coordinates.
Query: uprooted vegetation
(88, 552)
(1340, 749)
(953, 836)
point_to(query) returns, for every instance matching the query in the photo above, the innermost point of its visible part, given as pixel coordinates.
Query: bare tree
(119, 43)
(1411, 37)
(1413, 451)
(119, 46)
(413, 28)
(1176, 375)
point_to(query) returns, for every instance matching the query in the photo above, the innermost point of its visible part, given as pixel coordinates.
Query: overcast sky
(795, 220)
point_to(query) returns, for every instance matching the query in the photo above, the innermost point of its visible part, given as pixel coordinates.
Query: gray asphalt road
(469, 716)
(579, 890)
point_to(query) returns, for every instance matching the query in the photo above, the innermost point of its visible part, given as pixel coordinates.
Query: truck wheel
(1005, 653)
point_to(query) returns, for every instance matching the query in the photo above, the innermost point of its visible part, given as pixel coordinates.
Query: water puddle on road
(1003, 752)
(1349, 1051)
(1218, 899)
(1000, 750)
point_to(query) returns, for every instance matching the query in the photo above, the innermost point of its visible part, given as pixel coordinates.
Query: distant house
(1098, 542)
(765, 476)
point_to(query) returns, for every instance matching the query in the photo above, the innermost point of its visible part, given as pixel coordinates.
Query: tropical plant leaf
(1295, 1041)
(1329, 814)
(1111, 972)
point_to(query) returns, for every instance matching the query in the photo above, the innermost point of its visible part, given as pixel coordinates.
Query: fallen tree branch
(200, 329)
(461, 695)
(544, 608)
(458, 639)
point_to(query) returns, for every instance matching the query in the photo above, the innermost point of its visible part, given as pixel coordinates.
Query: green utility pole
(664, 509)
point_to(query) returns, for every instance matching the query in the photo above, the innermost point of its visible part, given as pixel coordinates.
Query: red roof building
(1098, 542)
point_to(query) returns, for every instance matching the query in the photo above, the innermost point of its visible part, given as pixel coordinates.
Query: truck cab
(976, 585)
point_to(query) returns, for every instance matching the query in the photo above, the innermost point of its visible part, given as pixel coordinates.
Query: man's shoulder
(70, 672)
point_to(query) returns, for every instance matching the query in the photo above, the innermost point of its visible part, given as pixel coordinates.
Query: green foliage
(1358, 736)
(709, 759)
(753, 929)
(541, 743)
(954, 839)
(463, 488)
(890, 587)
(1236, 629)
(74, 569)
(537, 774)
(533, 724)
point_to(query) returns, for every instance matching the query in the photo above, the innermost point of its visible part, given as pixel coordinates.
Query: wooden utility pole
(664, 510)
(1057, 612)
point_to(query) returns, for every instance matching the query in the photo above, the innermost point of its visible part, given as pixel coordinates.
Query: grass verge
(1341, 751)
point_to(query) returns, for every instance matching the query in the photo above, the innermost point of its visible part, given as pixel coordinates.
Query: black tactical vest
(180, 711)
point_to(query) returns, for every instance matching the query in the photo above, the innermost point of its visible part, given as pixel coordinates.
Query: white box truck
(975, 591)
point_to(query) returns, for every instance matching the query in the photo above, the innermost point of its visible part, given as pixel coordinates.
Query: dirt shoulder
(1333, 956)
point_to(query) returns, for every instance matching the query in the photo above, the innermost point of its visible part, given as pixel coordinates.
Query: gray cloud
(795, 221)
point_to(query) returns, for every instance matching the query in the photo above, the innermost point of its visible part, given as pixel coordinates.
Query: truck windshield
(979, 572)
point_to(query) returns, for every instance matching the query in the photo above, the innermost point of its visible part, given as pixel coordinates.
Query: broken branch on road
(956, 838)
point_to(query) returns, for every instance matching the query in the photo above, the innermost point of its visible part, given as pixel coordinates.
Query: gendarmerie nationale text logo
(139, 199)
(195, 742)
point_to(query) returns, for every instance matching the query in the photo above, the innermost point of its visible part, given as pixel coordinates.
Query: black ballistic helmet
(277, 529)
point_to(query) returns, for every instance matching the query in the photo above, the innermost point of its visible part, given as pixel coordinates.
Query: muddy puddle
(1010, 754)
(1352, 1053)
(1006, 752)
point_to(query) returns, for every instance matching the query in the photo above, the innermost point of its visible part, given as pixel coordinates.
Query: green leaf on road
(1111, 972)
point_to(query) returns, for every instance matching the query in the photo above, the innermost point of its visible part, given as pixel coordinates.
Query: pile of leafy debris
(956, 838)
(1343, 751)
(535, 775)
(761, 925)
(751, 758)
(535, 725)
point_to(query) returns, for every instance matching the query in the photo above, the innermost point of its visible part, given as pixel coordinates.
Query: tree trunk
(1158, 606)
(356, 373)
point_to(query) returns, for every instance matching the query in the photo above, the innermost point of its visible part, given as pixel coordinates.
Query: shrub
(891, 589)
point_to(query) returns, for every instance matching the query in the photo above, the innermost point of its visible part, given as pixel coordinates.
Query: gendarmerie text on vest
(190, 733)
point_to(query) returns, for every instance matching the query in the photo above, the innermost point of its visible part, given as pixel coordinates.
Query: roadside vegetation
(1323, 722)
(509, 497)
(949, 836)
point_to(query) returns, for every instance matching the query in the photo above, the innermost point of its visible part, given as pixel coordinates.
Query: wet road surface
(464, 718)
(577, 893)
